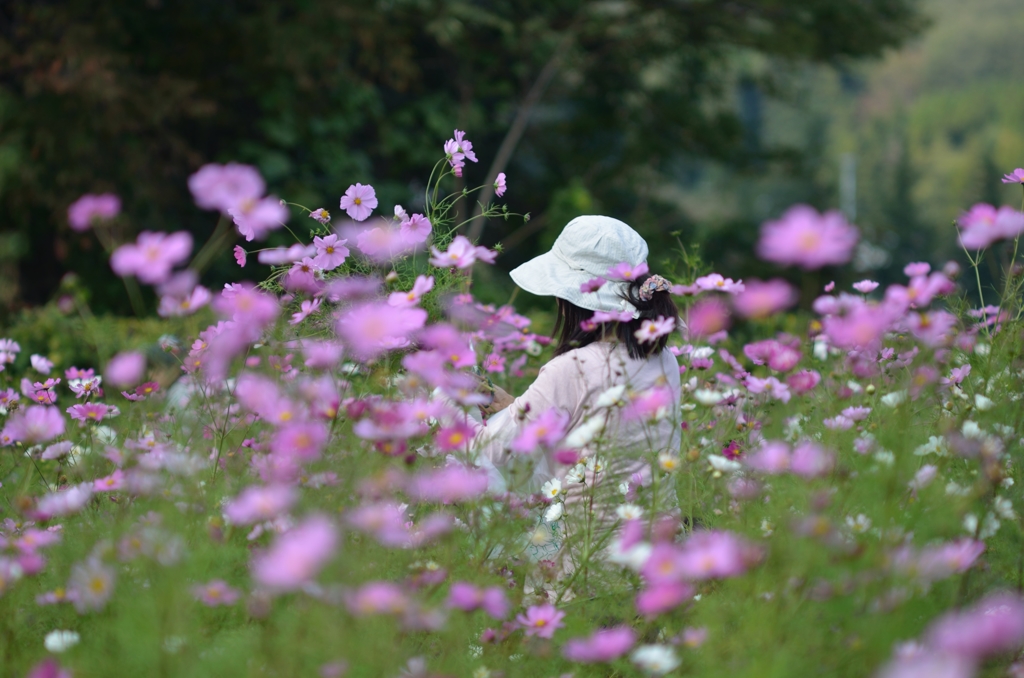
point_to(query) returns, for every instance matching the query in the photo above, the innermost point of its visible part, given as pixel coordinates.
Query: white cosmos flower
(554, 512)
(595, 464)
(583, 434)
(893, 399)
(612, 397)
(1004, 508)
(668, 462)
(552, 488)
(656, 660)
(935, 445)
(575, 474)
(706, 396)
(701, 352)
(971, 429)
(983, 402)
(59, 641)
(720, 463)
(635, 557)
(629, 512)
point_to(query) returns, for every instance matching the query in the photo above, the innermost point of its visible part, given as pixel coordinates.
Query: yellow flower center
(358, 201)
(457, 438)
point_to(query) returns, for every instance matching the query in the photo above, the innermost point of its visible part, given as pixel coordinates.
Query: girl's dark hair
(570, 334)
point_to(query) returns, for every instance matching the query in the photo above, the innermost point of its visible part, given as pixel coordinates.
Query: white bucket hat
(587, 248)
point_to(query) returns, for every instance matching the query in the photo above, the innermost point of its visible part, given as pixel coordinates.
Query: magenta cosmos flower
(500, 185)
(803, 237)
(225, 187)
(627, 271)
(1014, 177)
(359, 201)
(297, 555)
(152, 256)
(541, 620)
(604, 645)
(90, 209)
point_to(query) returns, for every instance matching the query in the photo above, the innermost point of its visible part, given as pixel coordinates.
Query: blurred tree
(132, 97)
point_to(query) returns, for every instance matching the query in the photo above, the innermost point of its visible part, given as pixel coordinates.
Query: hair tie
(654, 284)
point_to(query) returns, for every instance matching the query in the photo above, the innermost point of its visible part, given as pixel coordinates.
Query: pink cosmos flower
(240, 255)
(225, 187)
(592, 285)
(111, 483)
(715, 555)
(321, 215)
(215, 593)
(772, 457)
(811, 461)
(187, 304)
(90, 209)
(307, 308)
(541, 620)
(302, 441)
(359, 201)
(499, 185)
(707, 318)
(467, 597)
(386, 521)
(494, 362)
(803, 381)
(865, 286)
(416, 229)
(371, 328)
(125, 369)
(454, 437)
(627, 271)
(934, 328)
(33, 425)
(40, 364)
(1014, 177)
(652, 330)
(857, 413)
(279, 256)
(838, 423)
(803, 237)
(255, 219)
(993, 625)
(322, 355)
(152, 256)
(377, 597)
(927, 663)
(451, 484)
(461, 253)
(859, 325)
(330, 252)
(302, 277)
(984, 225)
(48, 668)
(296, 556)
(422, 285)
(379, 244)
(763, 299)
(604, 645)
(256, 504)
(457, 151)
(94, 412)
(63, 502)
(247, 306)
(57, 450)
(663, 597)
(714, 282)
(547, 430)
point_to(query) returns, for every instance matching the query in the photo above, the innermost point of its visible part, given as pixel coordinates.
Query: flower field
(301, 494)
